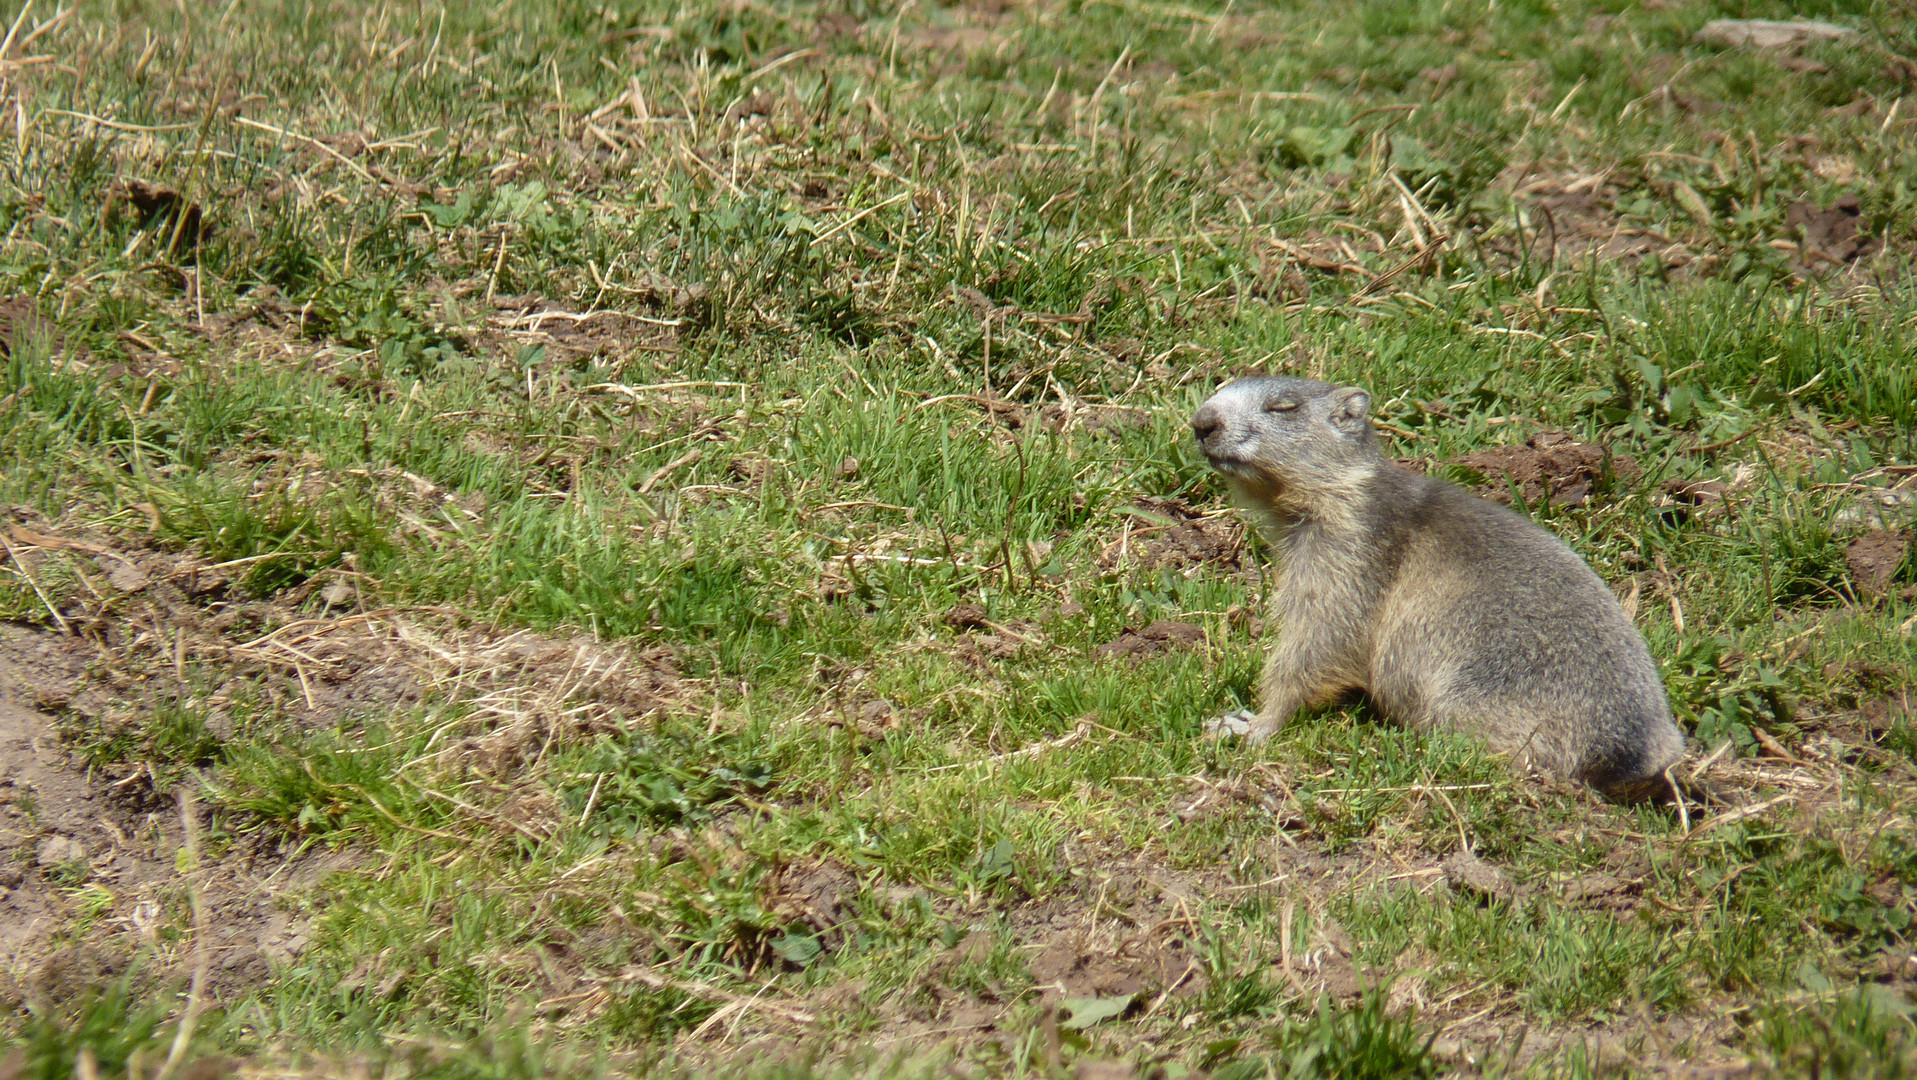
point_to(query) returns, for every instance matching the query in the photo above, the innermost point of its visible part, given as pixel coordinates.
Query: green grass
(932, 291)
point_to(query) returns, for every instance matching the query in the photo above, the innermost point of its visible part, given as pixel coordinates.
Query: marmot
(1449, 611)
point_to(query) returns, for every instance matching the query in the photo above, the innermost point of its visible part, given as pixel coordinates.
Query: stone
(56, 850)
(1467, 873)
(1769, 33)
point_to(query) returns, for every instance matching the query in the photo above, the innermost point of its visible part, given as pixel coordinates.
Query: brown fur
(1449, 611)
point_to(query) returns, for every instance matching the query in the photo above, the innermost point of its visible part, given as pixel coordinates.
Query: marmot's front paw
(1239, 723)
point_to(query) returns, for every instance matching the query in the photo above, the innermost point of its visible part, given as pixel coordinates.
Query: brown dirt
(1163, 636)
(71, 836)
(1170, 534)
(1132, 929)
(966, 617)
(73, 831)
(1463, 870)
(163, 629)
(1874, 558)
(983, 640)
(822, 893)
(1549, 466)
(165, 612)
(1883, 713)
(20, 319)
(1573, 217)
(1149, 966)
(1830, 234)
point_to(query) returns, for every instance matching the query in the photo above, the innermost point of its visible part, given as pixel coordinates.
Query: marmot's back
(1447, 609)
(1507, 632)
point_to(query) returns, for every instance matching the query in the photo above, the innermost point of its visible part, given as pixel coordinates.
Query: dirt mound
(983, 640)
(1874, 559)
(1576, 216)
(1170, 534)
(1133, 940)
(1132, 933)
(1137, 968)
(1549, 466)
(821, 894)
(1830, 234)
(967, 617)
(1163, 636)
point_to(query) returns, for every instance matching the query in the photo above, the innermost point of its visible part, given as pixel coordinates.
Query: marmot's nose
(1208, 421)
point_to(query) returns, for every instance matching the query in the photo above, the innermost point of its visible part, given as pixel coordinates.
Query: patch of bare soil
(20, 322)
(1163, 636)
(1690, 1046)
(89, 810)
(92, 887)
(92, 880)
(1871, 702)
(1126, 938)
(1874, 559)
(1170, 534)
(1550, 466)
(965, 27)
(1574, 217)
(157, 613)
(1137, 947)
(523, 693)
(1834, 234)
(984, 640)
(1127, 933)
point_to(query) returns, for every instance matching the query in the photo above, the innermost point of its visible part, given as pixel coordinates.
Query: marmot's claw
(1238, 722)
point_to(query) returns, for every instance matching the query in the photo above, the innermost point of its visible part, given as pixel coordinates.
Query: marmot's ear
(1349, 409)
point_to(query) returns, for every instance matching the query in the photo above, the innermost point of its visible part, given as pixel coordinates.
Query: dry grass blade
(27, 576)
(1742, 813)
(190, 1017)
(714, 993)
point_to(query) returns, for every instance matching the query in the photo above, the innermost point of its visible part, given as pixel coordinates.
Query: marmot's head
(1288, 438)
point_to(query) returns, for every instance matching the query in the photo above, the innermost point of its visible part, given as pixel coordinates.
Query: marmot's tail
(1633, 768)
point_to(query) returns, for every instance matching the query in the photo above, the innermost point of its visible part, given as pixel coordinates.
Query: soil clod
(1874, 559)
(1551, 466)
(1157, 639)
(1467, 873)
(1833, 233)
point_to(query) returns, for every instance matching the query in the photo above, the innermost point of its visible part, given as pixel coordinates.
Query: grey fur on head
(1449, 611)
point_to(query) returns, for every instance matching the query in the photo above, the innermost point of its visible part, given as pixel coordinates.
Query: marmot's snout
(1212, 427)
(1208, 420)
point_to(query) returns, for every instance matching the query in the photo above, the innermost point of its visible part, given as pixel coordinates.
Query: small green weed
(1361, 1042)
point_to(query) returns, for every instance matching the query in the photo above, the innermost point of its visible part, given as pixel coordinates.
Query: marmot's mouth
(1232, 466)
